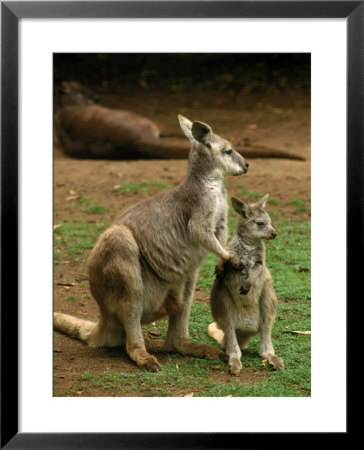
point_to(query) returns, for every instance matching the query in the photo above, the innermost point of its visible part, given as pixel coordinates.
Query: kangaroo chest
(217, 201)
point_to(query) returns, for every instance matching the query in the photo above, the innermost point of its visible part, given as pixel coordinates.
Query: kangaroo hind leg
(268, 306)
(129, 310)
(117, 285)
(178, 335)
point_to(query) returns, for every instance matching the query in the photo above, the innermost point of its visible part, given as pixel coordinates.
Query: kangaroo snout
(243, 165)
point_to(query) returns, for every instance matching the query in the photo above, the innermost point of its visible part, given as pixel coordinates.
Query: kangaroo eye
(260, 224)
(229, 152)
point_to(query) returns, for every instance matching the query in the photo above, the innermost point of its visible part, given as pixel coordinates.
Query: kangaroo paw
(276, 362)
(235, 366)
(235, 260)
(145, 361)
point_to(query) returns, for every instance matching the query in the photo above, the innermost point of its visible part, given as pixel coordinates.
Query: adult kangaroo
(88, 130)
(144, 266)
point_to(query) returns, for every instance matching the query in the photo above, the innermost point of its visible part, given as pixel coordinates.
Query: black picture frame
(11, 12)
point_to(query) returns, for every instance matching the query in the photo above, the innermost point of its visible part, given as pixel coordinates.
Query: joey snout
(271, 234)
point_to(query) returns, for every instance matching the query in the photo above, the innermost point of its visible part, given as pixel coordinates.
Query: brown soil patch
(282, 122)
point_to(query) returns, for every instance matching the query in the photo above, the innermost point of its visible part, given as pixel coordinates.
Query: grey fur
(145, 265)
(243, 301)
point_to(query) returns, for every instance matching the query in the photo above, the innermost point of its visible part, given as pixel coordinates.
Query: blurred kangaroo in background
(145, 265)
(88, 130)
(243, 302)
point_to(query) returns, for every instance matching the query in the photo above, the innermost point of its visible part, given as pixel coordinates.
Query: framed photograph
(300, 105)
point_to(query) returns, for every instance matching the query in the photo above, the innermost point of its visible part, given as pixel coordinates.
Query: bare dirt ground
(279, 121)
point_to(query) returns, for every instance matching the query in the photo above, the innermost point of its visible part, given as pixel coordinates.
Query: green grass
(160, 184)
(142, 187)
(274, 201)
(250, 194)
(299, 205)
(182, 375)
(74, 238)
(90, 207)
(253, 195)
(287, 255)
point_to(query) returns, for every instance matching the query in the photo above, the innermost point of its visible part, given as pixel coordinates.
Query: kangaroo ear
(262, 202)
(201, 132)
(65, 87)
(186, 126)
(240, 207)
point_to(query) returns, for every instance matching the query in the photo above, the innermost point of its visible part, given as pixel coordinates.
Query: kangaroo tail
(72, 326)
(264, 152)
(175, 149)
(214, 331)
(165, 148)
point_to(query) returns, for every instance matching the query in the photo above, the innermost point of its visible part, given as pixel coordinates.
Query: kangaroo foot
(200, 351)
(276, 362)
(235, 366)
(156, 345)
(144, 360)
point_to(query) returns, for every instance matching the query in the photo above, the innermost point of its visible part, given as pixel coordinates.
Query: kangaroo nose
(246, 165)
(274, 234)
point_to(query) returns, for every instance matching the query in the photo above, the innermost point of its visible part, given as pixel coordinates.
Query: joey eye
(260, 224)
(229, 152)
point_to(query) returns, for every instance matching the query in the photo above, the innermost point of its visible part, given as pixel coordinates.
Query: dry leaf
(229, 395)
(72, 197)
(303, 269)
(263, 361)
(72, 192)
(217, 367)
(154, 332)
(177, 366)
(189, 395)
(57, 226)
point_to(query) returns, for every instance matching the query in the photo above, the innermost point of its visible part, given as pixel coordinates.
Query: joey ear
(240, 207)
(262, 202)
(186, 126)
(202, 132)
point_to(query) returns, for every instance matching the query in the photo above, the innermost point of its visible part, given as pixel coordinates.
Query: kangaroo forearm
(210, 243)
(221, 234)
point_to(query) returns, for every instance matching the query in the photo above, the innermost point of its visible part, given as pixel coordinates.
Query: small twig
(297, 332)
